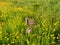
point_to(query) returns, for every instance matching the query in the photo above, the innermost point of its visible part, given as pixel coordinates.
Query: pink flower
(28, 30)
(31, 22)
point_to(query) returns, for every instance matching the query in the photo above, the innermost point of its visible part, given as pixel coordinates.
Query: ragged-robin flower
(30, 22)
(28, 30)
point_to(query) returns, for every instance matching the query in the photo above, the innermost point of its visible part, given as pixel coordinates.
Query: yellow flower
(7, 38)
(22, 30)
(13, 38)
(41, 16)
(43, 33)
(55, 23)
(52, 35)
(18, 8)
(14, 25)
(13, 42)
(53, 42)
(0, 32)
(3, 44)
(3, 4)
(33, 44)
(57, 37)
(6, 33)
(46, 28)
(44, 22)
(17, 36)
(27, 41)
(8, 44)
(2, 16)
(13, 33)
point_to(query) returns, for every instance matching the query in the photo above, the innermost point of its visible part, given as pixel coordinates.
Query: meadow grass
(46, 27)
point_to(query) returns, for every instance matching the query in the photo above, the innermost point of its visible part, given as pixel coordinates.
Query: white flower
(26, 20)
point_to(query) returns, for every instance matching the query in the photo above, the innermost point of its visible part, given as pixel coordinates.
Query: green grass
(46, 16)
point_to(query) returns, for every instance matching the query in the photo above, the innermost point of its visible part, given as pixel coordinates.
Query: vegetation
(44, 30)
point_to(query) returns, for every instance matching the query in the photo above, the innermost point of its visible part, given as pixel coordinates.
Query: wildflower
(53, 42)
(18, 8)
(57, 37)
(33, 44)
(16, 34)
(22, 30)
(27, 41)
(0, 32)
(8, 44)
(52, 35)
(3, 4)
(10, 34)
(13, 33)
(56, 23)
(26, 20)
(13, 42)
(14, 25)
(0, 28)
(41, 16)
(7, 38)
(1, 16)
(3, 44)
(28, 30)
(43, 33)
(30, 22)
(17, 37)
(6, 33)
